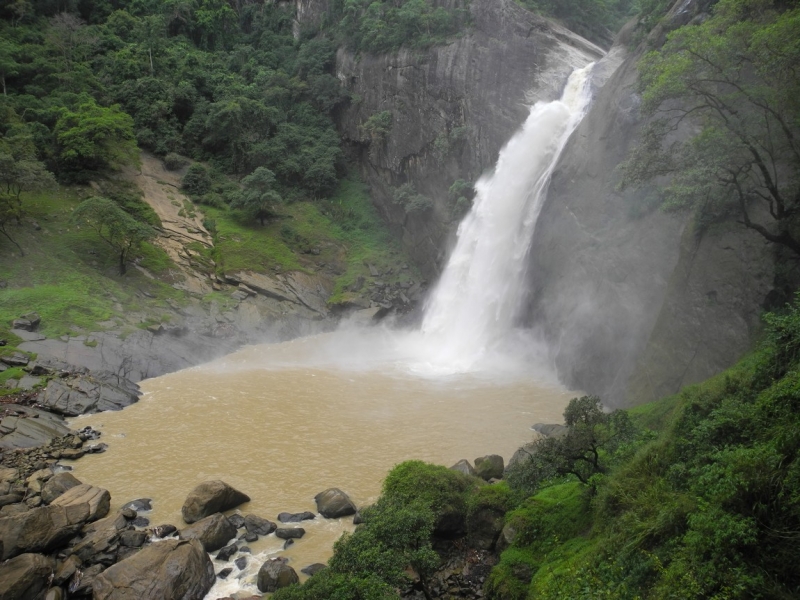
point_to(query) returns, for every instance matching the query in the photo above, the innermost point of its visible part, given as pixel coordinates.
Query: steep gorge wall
(637, 303)
(452, 109)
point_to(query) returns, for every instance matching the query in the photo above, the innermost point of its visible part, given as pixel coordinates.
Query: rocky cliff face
(450, 109)
(637, 303)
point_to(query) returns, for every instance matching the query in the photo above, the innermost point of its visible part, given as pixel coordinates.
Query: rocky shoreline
(58, 539)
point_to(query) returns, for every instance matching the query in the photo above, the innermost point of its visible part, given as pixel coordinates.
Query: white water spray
(474, 306)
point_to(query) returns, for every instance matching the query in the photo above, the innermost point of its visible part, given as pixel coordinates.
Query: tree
(8, 65)
(590, 436)
(19, 172)
(92, 137)
(733, 78)
(258, 198)
(114, 226)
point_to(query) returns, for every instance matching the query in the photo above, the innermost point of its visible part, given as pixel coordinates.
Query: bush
(174, 162)
(196, 182)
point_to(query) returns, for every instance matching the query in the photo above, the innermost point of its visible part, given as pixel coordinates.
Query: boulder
(226, 552)
(139, 505)
(490, 466)
(290, 533)
(334, 503)
(550, 429)
(213, 532)
(57, 485)
(313, 569)
(98, 499)
(211, 497)
(164, 530)
(41, 529)
(174, 569)
(132, 539)
(15, 360)
(286, 517)
(27, 322)
(25, 577)
(522, 454)
(258, 525)
(276, 574)
(237, 520)
(101, 540)
(65, 570)
(464, 467)
(82, 393)
(12, 498)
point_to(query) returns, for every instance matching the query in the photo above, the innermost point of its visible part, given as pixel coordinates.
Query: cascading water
(477, 300)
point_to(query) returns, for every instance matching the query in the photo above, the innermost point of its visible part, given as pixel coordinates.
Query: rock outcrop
(41, 529)
(452, 108)
(213, 532)
(25, 577)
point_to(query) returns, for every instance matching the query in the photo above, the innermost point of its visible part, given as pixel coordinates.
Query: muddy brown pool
(282, 422)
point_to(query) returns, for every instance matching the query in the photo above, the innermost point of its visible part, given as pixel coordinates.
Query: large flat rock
(41, 529)
(33, 427)
(98, 500)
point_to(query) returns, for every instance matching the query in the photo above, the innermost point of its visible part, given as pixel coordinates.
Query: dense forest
(695, 496)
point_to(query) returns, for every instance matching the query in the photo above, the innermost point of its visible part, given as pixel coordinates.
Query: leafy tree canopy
(115, 227)
(734, 78)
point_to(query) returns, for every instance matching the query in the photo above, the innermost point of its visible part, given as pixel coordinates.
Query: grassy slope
(707, 506)
(69, 276)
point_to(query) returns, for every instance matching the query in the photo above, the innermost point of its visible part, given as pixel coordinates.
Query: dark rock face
(334, 503)
(211, 497)
(88, 393)
(213, 532)
(25, 577)
(489, 467)
(226, 552)
(175, 569)
(41, 529)
(276, 574)
(452, 108)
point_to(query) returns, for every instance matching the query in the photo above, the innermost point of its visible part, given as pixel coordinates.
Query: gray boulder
(489, 467)
(464, 467)
(211, 497)
(25, 577)
(213, 532)
(57, 485)
(28, 322)
(258, 525)
(174, 569)
(313, 569)
(290, 533)
(98, 499)
(276, 574)
(41, 529)
(286, 517)
(83, 393)
(334, 503)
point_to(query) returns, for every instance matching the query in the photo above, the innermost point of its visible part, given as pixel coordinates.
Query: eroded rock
(276, 574)
(213, 532)
(25, 577)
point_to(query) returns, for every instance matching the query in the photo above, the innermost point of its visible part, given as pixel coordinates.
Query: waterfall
(478, 297)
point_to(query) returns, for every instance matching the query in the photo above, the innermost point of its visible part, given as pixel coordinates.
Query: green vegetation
(734, 77)
(114, 226)
(378, 26)
(694, 496)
